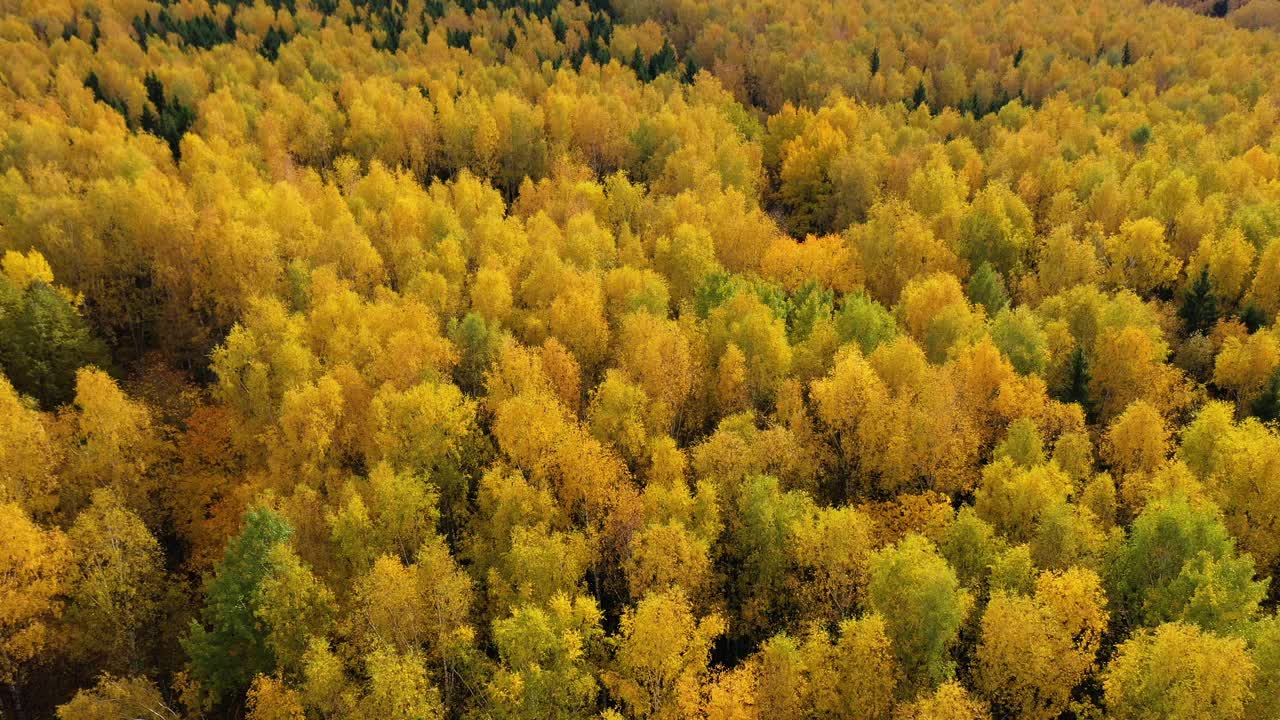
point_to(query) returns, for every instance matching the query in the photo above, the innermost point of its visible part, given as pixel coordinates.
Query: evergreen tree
(1267, 405)
(690, 71)
(1076, 386)
(43, 341)
(920, 96)
(1141, 136)
(1253, 317)
(478, 344)
(640, 67)
(1199, 309)
(986, 288)
(228, 646)
(875, 60)
(663, 62)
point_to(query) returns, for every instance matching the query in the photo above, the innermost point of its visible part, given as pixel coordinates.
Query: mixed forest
(639, 359)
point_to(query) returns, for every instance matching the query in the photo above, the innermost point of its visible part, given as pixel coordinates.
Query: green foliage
(1266, 406)
(1075, 388)
(920, 96)
(478, 345)
(1019, 336)
(166, 118)
(919, 596)
(546, 657)
(986, 288)
(759, 527)
(43, 341)
(228, 645)
(1022, 444)
(866, 322)
(1199, 308)
(807, 307)
(1179, 563)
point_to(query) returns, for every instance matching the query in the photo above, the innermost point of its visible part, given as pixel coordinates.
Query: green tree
(1199, 308)
(43, 341)
(1018, 335)
(546, 658)
(1075, 387)
(1266, 406)
(228, 646)
(986, 288)
(866, 322)
(920, 96)
(923, 605)
(1179, 563)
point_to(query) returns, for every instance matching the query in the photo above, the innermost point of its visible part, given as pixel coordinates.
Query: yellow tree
(949, 702)
(116, 584)
(271, 699)
(1033, 651)
(1138, 440)
(26, 454)
(34, 566)
(399, 688)
(1178, 671)
(662, 656)
(115, 445)
(1140, 257)
(116, 698)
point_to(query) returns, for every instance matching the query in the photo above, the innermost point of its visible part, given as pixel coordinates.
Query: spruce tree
(920, 96)
(1199, 309)
(228, 646)
(1076, 387)
(1267, 406)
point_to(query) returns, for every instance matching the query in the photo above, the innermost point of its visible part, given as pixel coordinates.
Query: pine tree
(663, 62)
(640, 67)
(1267, 406)
(875, 60)
(920, 96)
(690, 71)
(1253, 317)
(1199, 310)
(1076, 389)
(228, 647)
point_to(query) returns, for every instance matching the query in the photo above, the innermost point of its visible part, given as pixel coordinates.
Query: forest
(639, 359)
